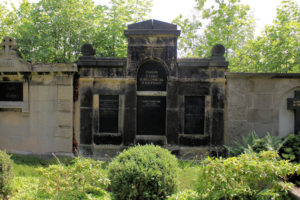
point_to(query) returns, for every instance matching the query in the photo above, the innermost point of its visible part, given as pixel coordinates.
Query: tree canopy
(54, 31)
(229, 22)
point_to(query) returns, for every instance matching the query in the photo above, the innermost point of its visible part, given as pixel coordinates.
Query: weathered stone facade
(156, 94)
(191, 106)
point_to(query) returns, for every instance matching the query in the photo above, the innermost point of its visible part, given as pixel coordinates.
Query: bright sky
(166, 10)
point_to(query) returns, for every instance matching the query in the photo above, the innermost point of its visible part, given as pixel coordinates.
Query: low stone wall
(258, 102)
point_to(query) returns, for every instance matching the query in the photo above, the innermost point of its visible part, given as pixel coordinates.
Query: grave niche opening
(151, 100)
(109, 112)
(11, 91)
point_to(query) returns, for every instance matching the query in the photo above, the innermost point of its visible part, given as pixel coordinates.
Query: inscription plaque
(11, 91)
(151, 77)
(108, 113)
(194, 115)
(151, 115)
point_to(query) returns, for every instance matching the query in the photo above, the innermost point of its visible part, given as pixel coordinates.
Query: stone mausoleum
(100, 105)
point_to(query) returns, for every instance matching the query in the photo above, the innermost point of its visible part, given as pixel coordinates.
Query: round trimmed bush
(6, 173)
(143, 172)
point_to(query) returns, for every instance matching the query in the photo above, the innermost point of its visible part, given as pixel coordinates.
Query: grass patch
(27, 175)
(187, 175)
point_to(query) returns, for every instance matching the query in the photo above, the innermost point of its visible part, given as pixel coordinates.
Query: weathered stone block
(262, 101)
(64, 133)
(64, 106)
(65, 80)
(236, 130)
(65, 93)
(261, 115)
(237, 113)
(261, 85)
(63, 145)
(65, 119)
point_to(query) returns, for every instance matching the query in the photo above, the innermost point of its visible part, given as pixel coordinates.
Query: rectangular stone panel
(194, 115)
(108, 113)
(11, 91)
(151, 115)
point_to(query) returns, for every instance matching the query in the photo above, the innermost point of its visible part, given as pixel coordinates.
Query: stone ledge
(261, 75)
(103, 62)
(295, 193)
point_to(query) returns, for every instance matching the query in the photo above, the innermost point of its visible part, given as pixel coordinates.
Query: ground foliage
(247, 176)
(254, 143)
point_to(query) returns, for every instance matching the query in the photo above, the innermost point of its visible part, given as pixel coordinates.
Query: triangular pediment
(152, 24)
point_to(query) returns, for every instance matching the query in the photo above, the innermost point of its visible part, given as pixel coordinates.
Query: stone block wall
(258, 102)
(36, 105)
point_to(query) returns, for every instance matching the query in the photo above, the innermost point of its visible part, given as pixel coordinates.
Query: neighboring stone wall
(258, 102)
(40, 120)
(47, 125)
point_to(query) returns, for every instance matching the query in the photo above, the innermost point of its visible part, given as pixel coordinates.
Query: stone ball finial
(8, 44)
(218, 51)
(88, 50)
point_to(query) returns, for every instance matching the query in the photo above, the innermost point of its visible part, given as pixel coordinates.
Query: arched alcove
(286, 117)
(152, 76)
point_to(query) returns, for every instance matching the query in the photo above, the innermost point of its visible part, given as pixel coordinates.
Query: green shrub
(253, 143)
(85, 179)
(185, 195)
(248, 176)
(290, 149)
(6, 173)
(143, 172)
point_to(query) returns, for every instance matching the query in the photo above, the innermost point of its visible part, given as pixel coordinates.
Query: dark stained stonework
(86, 117)
(193, 140)
(162, 100)
(115, 139)
(218, 128)
(218, 97)
(88, 50)
(218, 51)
